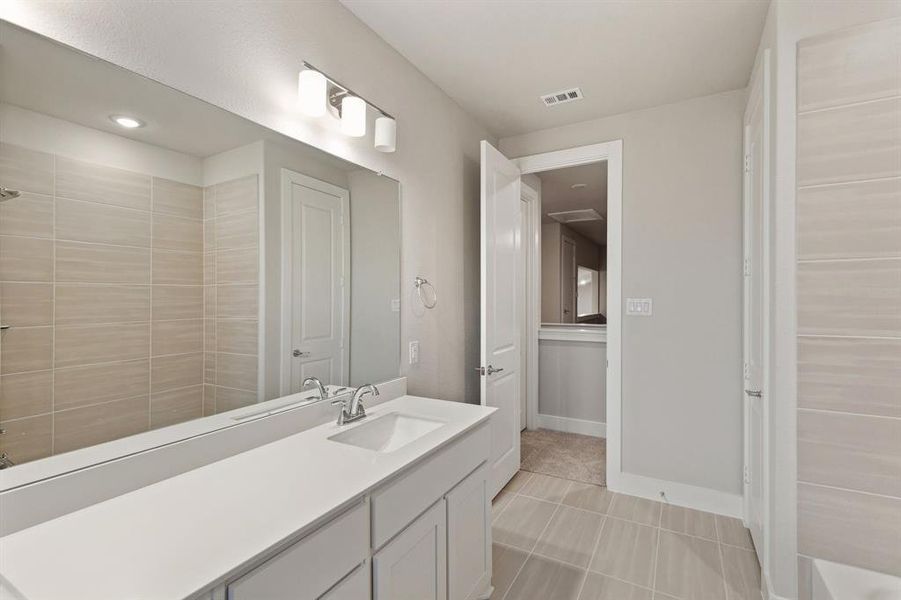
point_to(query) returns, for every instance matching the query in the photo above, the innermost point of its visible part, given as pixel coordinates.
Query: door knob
(299, 353)
(754, 393)
(489, 371)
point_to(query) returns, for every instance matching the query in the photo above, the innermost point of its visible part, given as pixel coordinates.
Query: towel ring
(420, 283)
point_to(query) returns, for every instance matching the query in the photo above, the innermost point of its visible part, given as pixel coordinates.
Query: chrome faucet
(355, 412)
(323, 392)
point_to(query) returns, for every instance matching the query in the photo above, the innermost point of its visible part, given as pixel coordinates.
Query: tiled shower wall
(101, 285)
(849, 296)
(231, 263)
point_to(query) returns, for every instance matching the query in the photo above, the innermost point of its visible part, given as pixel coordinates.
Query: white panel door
(319, 281)
(413, 566)
(754, 314)
(500, 315)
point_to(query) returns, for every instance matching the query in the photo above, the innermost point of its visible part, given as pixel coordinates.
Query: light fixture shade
(385, 134)
(353, 116)
(312, 89)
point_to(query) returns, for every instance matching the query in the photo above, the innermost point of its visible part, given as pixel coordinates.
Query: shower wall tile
(229, 399)
(834, 76)
(177, 337)
(177, 233)
(92, 344)
(238, 195)
(176, 406)
(29, 215)
(101, 223)
(177, 268)
(236, 230)
(25, 349)
(238, 300)
(93, 263)
(849, 297)
(853, 220)
(236, 371)
(25, 259)
(236, 336)
(79, 303)
(178, 199)
(79, 180)
(27, 439)
(26, 170)
(853, 375)
(26, 304)
(90, 425)
(237, 266)
(25, 394)
(177, 302)
(80, 386)
(175, 371)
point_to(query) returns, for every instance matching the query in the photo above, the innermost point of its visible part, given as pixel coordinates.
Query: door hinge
(747, 267)
(746, 474)
(747, 163)
(747, 370)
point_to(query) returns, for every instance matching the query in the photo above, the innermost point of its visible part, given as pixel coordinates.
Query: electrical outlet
(639, 307)
(414, 352)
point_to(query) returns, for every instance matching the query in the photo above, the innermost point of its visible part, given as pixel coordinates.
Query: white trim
(612, 152)
(766, 589)
(760, 81)
(287, 308)
(681, 494)
(533, 301)
(573, 334)
(570, 425)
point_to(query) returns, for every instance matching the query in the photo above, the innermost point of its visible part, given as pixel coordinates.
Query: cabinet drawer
(311, 566)
(402, 500)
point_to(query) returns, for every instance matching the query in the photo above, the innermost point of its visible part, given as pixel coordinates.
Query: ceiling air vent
(575, 216)
(562, 97)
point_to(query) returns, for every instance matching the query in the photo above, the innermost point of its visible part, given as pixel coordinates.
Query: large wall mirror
(163, 261)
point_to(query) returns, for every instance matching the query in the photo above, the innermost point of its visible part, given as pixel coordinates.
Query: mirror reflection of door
(319, 272)
(568, 280)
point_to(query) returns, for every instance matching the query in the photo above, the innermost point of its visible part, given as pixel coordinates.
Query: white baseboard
(592, 428)
(680, 494)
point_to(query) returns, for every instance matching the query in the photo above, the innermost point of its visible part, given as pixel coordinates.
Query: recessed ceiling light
(578, 186)
(126, 122)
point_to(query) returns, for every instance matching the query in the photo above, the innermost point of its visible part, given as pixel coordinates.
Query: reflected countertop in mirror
(166, 261)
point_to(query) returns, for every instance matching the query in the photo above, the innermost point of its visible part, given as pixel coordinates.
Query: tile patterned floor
(556, 539)
(570, 455)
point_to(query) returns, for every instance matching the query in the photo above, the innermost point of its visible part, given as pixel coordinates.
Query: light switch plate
(639, 307)
(414, 352)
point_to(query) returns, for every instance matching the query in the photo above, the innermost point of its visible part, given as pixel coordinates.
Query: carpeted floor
(566, 455)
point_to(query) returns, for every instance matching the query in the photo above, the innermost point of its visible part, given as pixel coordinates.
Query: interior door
(524, 271)
(319, 268)
(754, 307)
(500, 318)
(568, 279)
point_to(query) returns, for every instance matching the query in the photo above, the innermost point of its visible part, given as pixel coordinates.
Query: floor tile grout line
(656, 561)
(594, 551)
(719, 550)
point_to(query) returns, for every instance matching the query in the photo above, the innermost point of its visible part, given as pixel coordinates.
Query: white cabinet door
(469, 537)
(413, 566)
(354, 587)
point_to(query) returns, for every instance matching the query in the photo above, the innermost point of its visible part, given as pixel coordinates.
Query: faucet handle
(341, 401)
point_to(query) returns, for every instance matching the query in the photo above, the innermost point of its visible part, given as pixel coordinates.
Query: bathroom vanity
(396, 507)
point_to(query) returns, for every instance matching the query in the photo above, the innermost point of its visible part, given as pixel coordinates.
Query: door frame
(532, 245)
(565, 269)
(759, 92)
(612, 152)
(289, 177)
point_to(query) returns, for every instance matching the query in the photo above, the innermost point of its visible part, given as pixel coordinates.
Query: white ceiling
(496, 57)
(557, 195)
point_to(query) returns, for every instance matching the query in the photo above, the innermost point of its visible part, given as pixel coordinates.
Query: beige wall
(682, 247)
(192, 46)
(849, 296)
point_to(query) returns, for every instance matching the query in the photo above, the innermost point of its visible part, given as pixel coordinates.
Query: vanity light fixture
(320, 94)
(312, 93)
(126, 121)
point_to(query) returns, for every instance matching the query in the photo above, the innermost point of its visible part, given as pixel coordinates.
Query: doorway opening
(517, 199)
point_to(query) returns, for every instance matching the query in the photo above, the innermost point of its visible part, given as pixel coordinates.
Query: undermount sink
(387, 433)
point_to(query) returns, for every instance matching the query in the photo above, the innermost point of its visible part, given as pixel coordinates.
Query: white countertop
(178, 537)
